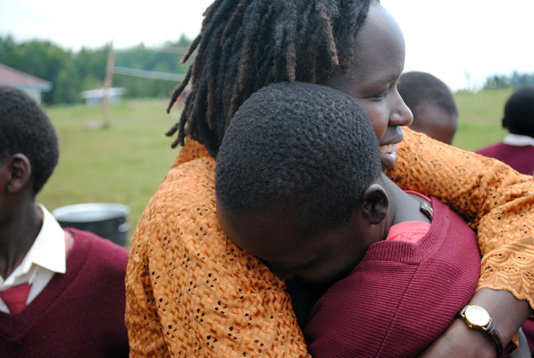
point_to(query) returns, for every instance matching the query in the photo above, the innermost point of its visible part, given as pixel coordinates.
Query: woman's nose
(402, 115)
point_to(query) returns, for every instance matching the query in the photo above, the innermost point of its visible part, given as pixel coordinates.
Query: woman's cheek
(379, 125)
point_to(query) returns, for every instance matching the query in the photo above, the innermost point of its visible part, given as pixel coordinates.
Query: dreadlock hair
(519, 112)
(421, 87)
(25, 128)
(244, 45)
(302, 146)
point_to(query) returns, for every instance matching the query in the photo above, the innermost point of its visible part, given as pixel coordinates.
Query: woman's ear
(375, 204)
(19, 171)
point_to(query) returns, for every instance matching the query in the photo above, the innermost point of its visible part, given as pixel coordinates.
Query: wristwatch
(477, 317)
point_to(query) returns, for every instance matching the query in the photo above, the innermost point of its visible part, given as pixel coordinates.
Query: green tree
(42, 59)
(68, 85)
(71, 73)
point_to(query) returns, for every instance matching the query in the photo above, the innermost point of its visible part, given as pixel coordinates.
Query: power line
(134, 72)
(170, 49)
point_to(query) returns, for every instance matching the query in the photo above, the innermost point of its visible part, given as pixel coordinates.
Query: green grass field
(123, 164)
(480, 116)
(126, 162)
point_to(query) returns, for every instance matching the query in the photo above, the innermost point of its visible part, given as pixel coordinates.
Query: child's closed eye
(379, 96)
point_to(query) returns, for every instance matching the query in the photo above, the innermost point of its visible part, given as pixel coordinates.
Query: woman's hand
(508, 315)
(460, 341)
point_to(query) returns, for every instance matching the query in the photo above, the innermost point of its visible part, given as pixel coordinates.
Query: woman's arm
(508, 314)
(495, 200)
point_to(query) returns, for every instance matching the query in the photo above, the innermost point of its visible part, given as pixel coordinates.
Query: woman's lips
(388, 155)
(388, 151)
(388, 148)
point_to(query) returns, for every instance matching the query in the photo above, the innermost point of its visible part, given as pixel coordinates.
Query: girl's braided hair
(244, 45)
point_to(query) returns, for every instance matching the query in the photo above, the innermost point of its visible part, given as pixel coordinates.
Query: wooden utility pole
(107, 85)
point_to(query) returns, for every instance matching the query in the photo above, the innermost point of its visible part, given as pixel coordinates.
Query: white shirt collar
(48, 250)
(518, 140)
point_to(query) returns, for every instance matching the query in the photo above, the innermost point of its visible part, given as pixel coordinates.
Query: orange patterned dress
(192, 293)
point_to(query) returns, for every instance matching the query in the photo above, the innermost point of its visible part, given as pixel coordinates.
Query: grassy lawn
(123, 163)
(126, 162)
(480, 116)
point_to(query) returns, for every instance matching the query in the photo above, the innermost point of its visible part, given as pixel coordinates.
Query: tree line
(73, 72)
(512, 81)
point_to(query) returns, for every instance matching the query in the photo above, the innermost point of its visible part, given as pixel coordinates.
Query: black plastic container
(104, 219)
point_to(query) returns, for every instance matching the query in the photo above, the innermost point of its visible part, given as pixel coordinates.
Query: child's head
(296, 181)
(354, 46)
(432, 104)
(519, 112)
(26, 135)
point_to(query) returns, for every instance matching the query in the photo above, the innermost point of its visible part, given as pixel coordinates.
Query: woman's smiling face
(372, 80)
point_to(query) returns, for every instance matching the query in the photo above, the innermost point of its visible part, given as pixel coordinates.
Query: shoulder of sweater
(447, 229)
(103, 252)
(489, 148)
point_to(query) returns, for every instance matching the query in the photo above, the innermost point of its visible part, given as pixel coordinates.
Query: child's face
(372, 80)
(320, 258)
(435, 122)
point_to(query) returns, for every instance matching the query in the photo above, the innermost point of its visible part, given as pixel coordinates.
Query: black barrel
(104, 219)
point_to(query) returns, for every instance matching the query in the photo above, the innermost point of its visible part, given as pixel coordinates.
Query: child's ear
(375, 204)
(19, 173)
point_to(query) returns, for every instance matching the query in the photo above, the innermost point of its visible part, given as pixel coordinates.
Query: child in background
(299, 185)
(61, 291)
(432, 104)
(517, 148)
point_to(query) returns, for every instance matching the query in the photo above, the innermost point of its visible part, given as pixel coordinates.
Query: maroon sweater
(79, 313)
(401, 296)
(521, 158)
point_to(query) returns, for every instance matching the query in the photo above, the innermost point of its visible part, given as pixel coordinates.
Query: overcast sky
(460, 41)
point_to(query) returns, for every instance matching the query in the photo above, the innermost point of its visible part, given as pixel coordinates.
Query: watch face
(477, 316)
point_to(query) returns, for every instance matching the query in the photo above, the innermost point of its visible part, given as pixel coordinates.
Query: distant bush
(509, 81)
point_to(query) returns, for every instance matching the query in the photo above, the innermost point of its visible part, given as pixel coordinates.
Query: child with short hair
(299, 185)
(517, 148)
(61, 290)
(432, 104)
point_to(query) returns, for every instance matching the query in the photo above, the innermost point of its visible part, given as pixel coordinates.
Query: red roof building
(24, 81)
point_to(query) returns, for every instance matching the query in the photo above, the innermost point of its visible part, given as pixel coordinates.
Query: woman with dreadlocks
(191, 292)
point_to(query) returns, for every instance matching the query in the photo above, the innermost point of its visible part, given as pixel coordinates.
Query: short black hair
(25, 128)
(299, 144)
(421, 87)
(519, 112)
(244, 45)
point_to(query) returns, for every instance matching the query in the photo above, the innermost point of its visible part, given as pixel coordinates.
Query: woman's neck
(403, 206)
